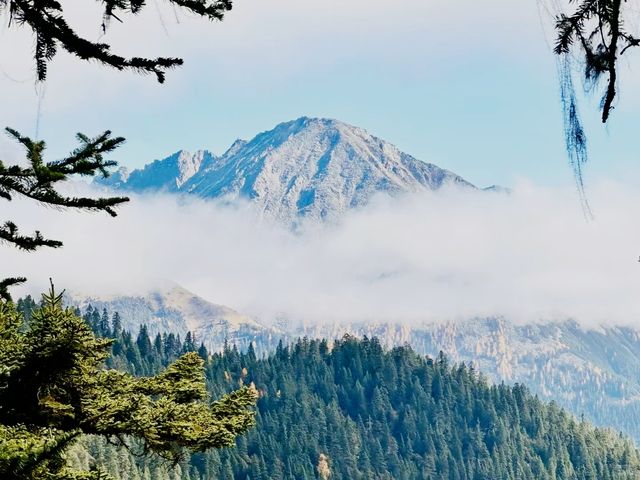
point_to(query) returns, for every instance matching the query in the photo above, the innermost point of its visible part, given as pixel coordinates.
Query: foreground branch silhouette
(39, 181)
(595, 33)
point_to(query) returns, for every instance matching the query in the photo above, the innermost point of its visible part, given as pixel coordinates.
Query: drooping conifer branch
(595, 34)
(50, 28)
(596, 31)
(39, 181)
(7, 283)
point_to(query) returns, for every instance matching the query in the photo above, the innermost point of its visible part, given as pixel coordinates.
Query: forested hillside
(350, 409)
(586, 370)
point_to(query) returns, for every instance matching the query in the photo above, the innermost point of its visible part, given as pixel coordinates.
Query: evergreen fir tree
(104, 326)
(116, 325)
(53, 389)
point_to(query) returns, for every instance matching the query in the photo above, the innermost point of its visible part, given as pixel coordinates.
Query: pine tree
(116, 325)
(144, 342)
(202, 351)
(53, 389)
(189, 343)
(104, 327)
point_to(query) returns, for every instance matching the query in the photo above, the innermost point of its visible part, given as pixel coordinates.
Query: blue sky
(469, 87)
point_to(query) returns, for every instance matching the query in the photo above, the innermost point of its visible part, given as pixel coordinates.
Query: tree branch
(39, 181)
(46, 20)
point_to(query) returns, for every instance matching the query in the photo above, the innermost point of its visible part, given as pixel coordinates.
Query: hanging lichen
(594, 35)
(575, 137)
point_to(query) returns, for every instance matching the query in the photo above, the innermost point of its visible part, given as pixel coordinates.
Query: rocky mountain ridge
(307, 168)
(176, 310)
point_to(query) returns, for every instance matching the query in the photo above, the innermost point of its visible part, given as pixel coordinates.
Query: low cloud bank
(440, 256)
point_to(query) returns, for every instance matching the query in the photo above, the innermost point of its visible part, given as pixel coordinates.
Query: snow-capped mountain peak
(309, 167)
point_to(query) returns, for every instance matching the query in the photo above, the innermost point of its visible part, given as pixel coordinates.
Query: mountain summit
(309, 167)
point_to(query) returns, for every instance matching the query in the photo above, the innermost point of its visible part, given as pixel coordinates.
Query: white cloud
(449, 255)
